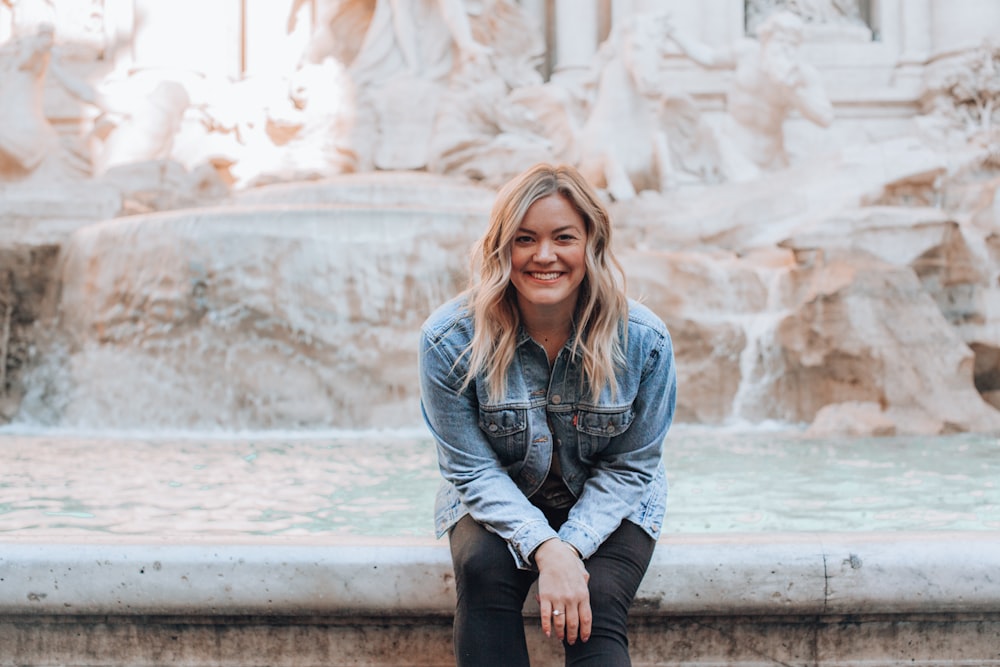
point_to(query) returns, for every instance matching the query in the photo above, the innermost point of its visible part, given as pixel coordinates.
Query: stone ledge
(756, 574)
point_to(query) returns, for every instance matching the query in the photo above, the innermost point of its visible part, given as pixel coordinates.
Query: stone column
(538, 11)
(915, 28)
(576, 34)
(620, 10)
(957, 25)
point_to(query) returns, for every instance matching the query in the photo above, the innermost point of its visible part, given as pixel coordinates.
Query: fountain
(209, 330)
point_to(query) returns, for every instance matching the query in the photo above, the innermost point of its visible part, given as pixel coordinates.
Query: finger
(572, 625)
(545, 608)
(559, 622)
(586, 620)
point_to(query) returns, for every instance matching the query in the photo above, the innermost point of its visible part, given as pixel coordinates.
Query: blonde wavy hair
(601, 309)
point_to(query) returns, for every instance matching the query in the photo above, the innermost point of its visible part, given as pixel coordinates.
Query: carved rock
(866, 331)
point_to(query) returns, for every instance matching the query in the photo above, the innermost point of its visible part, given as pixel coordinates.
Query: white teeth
(545, 276)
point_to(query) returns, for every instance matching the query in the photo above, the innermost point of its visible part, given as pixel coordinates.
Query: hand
(562, 587)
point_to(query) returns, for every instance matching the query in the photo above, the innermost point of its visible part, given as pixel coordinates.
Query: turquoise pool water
(383, 484)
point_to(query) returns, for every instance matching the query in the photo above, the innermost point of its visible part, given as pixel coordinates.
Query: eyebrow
(554, 231)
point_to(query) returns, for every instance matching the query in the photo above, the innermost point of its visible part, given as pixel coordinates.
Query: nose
(545, 252)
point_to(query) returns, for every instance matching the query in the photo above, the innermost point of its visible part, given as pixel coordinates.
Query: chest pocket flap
(506, 430)
(502, 422)
(604, 424)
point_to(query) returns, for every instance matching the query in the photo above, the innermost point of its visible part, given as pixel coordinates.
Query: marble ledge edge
(690, 575)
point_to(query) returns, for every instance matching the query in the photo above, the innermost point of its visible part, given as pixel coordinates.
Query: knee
(480, 558)
(608, 594)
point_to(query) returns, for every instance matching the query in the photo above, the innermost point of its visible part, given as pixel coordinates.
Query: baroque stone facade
(784, 175)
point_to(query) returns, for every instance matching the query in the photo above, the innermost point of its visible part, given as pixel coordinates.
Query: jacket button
(492, 427)
(557, 399)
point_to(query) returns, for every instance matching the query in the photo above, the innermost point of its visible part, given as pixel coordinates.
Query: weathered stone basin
(268, 549)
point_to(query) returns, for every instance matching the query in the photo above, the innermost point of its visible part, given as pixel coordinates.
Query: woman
(549, 394)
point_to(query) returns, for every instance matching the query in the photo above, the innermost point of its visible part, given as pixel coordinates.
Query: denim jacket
(495, 455)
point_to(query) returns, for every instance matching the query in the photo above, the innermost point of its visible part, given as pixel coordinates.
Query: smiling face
(548, 258)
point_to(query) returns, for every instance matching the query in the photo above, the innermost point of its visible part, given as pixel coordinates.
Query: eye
(567, 237)
(523, 238)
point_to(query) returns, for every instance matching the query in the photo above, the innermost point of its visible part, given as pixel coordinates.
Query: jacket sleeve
(466, 459)
(629, 463)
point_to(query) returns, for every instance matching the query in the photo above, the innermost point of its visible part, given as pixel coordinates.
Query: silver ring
(556, 612)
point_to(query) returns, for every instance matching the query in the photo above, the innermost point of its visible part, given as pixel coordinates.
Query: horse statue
(623, 146)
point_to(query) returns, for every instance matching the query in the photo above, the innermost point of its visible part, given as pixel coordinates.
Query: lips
(551, 275)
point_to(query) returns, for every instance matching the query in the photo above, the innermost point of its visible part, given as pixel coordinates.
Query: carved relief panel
(850, 16)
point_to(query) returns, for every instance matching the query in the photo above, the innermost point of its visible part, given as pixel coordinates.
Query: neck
(554, 321)
(545, 334)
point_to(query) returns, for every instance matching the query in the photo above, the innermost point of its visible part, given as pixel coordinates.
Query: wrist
(576, 552)
(544, 550)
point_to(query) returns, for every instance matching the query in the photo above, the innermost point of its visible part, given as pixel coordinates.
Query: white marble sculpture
(431, 78)
(770, 81)
(339, 29)
(26, 136)
(29, 145)
(623, 146)
(275, 128)
(139, 124)
(320, 123)
(966, 88)
(401, 72)
(485, 124)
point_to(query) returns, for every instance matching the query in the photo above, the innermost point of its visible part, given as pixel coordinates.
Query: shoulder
(644, 322)
(648, 336)
(452, 319)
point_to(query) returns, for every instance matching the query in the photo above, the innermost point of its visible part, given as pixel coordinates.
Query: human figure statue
(769, 83)
(380, 39)
(417, 38)
(339, 29)
(400, 69)
(140, 125)
(27, 139)
(478, 129)
(26, 136)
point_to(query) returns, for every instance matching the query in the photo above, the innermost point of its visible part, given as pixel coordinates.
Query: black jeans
(489, 628)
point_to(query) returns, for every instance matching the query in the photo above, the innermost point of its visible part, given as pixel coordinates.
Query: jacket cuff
(585, 540)
(528, 538)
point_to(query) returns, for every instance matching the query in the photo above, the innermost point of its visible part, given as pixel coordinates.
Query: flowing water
(382, 484)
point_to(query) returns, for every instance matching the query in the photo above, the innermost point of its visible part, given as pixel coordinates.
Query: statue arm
(293, 14)
(77, 87)
(457, 19)
(703, 54)
(811, 99)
